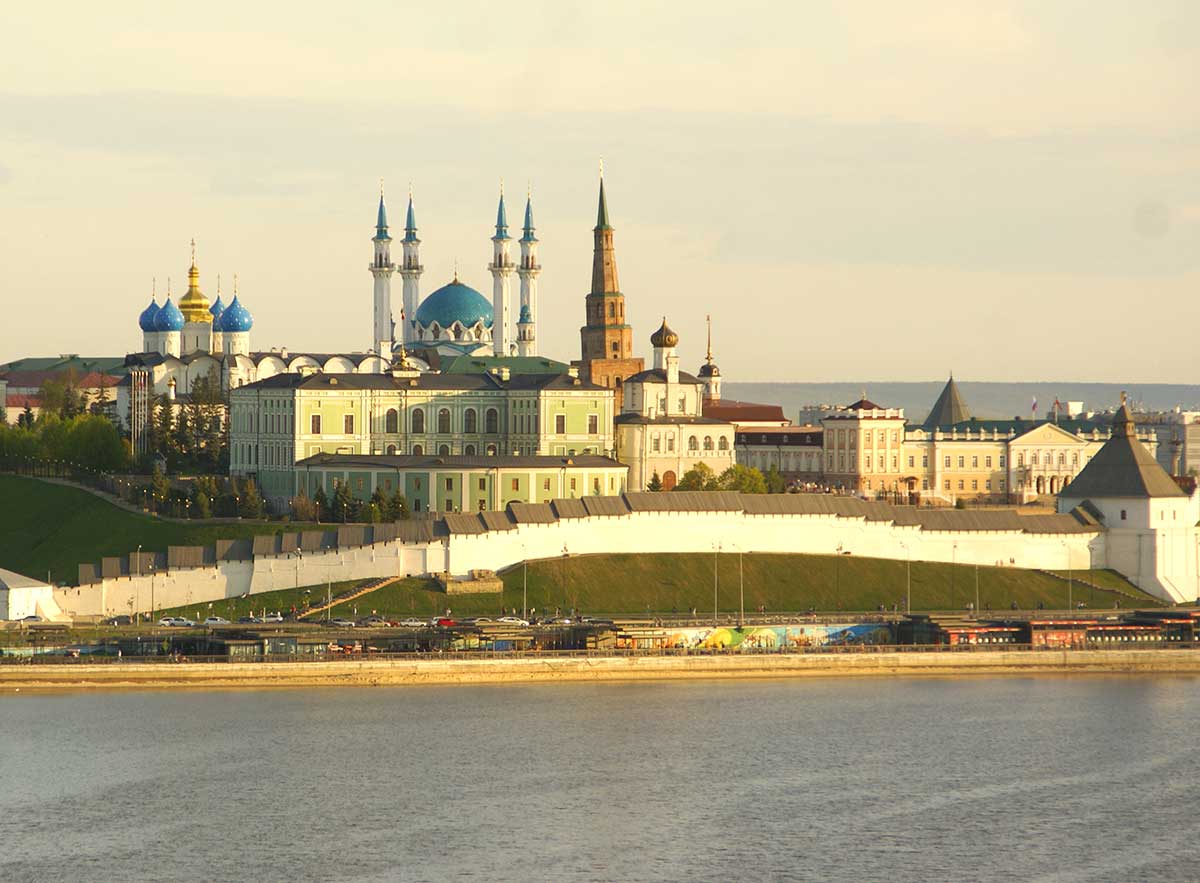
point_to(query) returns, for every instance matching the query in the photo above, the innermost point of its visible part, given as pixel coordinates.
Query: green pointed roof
(410, 223)
(602, 211)
(381, 224)
(501, 220)
(1122, 468)
(949, 408)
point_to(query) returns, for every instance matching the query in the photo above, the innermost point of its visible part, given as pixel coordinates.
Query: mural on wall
(759, 638)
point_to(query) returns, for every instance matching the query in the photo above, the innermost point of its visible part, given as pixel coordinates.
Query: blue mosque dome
(217, 309)
(236, 318)
(526, 316)
(169, 317)
(455, 303)
(146, 319)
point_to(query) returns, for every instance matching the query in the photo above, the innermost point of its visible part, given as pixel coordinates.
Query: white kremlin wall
(636, 531)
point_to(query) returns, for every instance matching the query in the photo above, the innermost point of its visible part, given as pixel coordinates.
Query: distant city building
(661, 428)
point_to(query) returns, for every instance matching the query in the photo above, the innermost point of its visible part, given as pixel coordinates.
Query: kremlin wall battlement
(693, 522)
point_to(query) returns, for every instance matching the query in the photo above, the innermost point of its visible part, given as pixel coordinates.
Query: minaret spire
(528, 271)
(381, 269)
(410, 272)
(501, 269)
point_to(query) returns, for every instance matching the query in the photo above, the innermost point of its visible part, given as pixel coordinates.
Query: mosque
(196, 338)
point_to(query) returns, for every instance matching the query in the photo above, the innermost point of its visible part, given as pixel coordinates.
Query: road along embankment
(551, 669)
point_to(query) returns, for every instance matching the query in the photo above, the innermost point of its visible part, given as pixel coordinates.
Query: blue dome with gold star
(146, 319)
(169, 318)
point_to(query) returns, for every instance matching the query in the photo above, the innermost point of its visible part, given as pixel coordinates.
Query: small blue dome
(146, 319)
(169, 317)
(455, 303)
(236, 318)
(526, 317)
(217, 309)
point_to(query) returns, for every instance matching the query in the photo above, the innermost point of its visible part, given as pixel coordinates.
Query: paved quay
(550, 669)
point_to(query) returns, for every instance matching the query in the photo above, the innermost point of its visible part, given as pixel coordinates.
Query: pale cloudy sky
(853, 190)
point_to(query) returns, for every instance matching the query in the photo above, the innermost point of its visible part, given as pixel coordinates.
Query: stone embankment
(563, 669)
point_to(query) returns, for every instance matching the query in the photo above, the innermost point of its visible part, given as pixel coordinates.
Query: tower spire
(708, 354)
(501, 216)
(602, 209)
(381, 269)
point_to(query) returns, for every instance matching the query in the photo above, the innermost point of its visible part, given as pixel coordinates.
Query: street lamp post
(525, 582)
(953, 567)
(138, 554)
(1070, 578)
(741, 591)
(716, 551)
(907, 578)
(837, 573)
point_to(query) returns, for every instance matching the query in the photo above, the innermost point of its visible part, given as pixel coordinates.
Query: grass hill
(50, 527)
(641, 584)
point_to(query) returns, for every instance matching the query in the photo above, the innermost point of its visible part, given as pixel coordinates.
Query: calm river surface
(1048, 779)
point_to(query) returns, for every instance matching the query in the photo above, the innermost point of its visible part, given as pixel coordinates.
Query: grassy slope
(633, 584)
(51, 527)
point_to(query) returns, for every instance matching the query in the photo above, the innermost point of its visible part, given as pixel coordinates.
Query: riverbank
(533, 669)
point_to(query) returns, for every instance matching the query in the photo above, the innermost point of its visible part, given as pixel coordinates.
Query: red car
(445, 623)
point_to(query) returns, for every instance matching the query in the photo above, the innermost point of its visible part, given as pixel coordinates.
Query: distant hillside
(994, 400)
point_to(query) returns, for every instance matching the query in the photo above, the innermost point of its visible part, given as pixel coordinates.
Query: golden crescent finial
(154, 287)
(601, 168)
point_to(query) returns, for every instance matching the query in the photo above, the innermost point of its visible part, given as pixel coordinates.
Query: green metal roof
(515, 364)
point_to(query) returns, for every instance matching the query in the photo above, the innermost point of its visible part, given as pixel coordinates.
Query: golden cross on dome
(193, 251)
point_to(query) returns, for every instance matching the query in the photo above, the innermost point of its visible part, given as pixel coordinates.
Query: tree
(201, 506)
(160, 490)
(94, 443)
(305, 509)
(655, 483)
(776, 484)
(343, 502)
(397, 507)
(743, 479)
(25, 420)
(699, 478)
(250, 501)
(60, 395)
(322, 501)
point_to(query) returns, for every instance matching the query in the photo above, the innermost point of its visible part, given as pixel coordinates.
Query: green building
(289, 417)
(461, 483)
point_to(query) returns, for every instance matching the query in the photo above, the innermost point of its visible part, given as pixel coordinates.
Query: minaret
(410, 273)
(709, 372)
(501, 269)
(382, 269)
(197, 329)
(528, 272)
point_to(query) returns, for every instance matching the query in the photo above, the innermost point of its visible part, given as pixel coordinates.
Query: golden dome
(194, 305)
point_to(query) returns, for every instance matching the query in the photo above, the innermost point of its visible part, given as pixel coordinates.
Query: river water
(1040, 779)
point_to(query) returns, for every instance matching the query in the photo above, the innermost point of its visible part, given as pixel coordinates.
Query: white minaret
(501, 269)
(382, 269)
(410, 272)
(528, 272)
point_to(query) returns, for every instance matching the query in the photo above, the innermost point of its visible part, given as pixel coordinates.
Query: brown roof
(1122, 468)
(733, 411)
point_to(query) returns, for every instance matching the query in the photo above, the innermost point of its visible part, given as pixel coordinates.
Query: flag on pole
(1035, 406)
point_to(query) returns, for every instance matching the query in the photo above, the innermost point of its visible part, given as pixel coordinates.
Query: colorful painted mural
(755, 638)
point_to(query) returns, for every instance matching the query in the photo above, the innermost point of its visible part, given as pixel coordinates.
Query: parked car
(245, 620)
(513, 620)
(445, 622)
(413, 623)
(343, 623)
(374, 622)
(122, 619)
(216, 620)
(176, 622)
(33, 617)
(272, 617)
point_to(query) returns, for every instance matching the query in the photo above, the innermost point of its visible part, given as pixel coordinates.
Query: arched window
(469, 450)
(443, 450)
(418, 450)
(470, 422)
(491, 422)
(612, 310)
(491, 450)
(692, 443)
(722, 444)
(444, 420)
(708, 443)
(418, 421)
(391, 421)
(669, 480)
(391, 449)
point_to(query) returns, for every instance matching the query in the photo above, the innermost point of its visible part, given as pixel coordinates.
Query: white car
(176, 622)
(513, 620)
(273, 617)
(216, 620)
(413, 623)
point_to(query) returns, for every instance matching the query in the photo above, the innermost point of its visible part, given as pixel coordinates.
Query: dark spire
(949, 408)
(381, 224)
(602, 210)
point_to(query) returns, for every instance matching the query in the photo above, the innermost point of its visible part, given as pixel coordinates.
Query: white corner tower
(528, 272)
(410, 273)
(501, 269)
(382, 269)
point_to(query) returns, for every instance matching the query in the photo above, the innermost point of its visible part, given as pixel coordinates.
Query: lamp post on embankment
(716, 552)
(1070, 577)
(907, 578)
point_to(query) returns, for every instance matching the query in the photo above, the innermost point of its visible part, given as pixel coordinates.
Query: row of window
(962, 462)
(693, 443)
(470, 422)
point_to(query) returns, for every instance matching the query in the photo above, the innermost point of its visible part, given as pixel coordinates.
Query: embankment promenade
(563, 669)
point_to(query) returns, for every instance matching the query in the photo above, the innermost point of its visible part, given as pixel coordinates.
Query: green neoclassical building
(462, 483)
(290, 417)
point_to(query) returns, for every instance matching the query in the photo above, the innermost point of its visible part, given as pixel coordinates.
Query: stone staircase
(1138, 600)
(352, 595)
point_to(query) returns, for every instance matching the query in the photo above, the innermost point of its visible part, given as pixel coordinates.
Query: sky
(861, 190)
